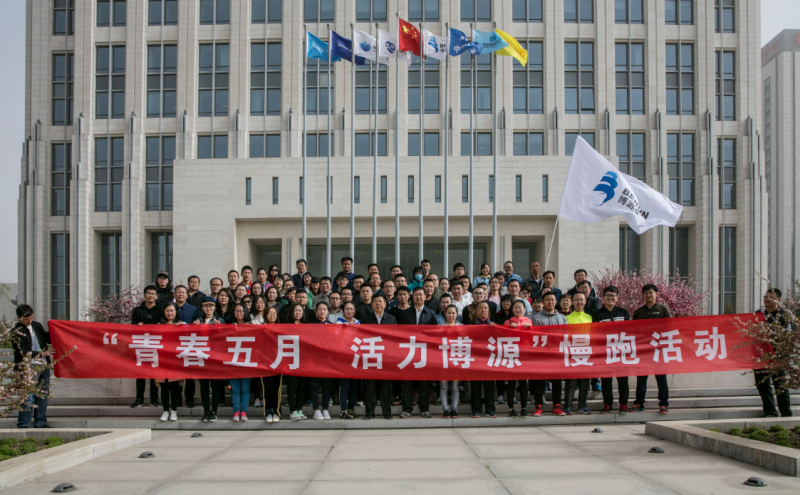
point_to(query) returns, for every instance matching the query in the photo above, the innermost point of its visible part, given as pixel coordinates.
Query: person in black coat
(378, 316)
(417, 314)
(28, 336)
(147, 313)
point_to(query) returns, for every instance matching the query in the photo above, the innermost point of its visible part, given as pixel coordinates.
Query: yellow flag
(514, 49)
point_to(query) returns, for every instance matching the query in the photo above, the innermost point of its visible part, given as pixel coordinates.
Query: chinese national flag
(408, 37)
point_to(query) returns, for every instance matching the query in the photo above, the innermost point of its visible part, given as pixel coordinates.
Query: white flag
(387, 44)
(364, 45)
(434, 46)
(596, 190)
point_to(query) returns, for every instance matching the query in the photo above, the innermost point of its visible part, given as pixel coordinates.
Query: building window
(571, 137)
(528, 144)
(491, 189)
(267, 11)
(628, 249)
(213, 80)
(161, 253)
(518, 188)
(431, 144)
(723, 16)
(529, 81)
(726, 154)
(356, 189)
(162, 13)
(579, 77)
(680, 167)
(265, 145)
(727, 269)
(162, 80)
(160, 155)
(215, 11)
(431, 86)
(63, 17)
(410, 188)
(365, 87)
(302, 190)
(317, 144)
(365, 144)
(423, 10)
(630, 78)
(579, 11)
(384, 188)
(265, 79)
(110, 264)
(628, 11)
(545, 188)
(678, 12)
(215, 146)
(465, 188)
(726, 84)
(680, 79)
(526, 11)
(248, 191)
(275, 190)
(481, 99)
(319, 10)
(109, 168)
(630, 150)
(60, 175)
(111, 13)
(437, 189)
(63, 78)
(679, 252)
(483, 144)
(370, 10)
(476, 10)
(59, 276)
(318, 99)
(110, 94)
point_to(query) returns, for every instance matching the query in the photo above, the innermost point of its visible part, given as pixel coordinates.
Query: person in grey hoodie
(548, 316)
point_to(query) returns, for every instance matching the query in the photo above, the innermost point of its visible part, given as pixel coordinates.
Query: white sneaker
(257, 403)
(302, 416)
(268, 418)
(173, 415)
(325, 414)
(276, 418)
(318, 414)
(296, 416)
(330, 402)
(243, 416)
(360, 403)
(165, 416)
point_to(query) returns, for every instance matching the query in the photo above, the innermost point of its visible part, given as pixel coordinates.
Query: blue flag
(459, 44)
(489, 41)
(316, 48)
(341, 48)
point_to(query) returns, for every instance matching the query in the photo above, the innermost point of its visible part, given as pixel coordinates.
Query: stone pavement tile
(625, 447)
(581, 434)
(229, 487)
(578, 483)
(411, 451)
(168, 454)
(535, 468)
(725, 481)
(389, 441)
(487, 437)
(517, 430)
(135, 469)
(501, 450)
(695, 461)
(86, 487)
(287, 441)
(249, 470)
(407, 487)
(184, 439)
(399, 432)
(273, 454)
(445, 469)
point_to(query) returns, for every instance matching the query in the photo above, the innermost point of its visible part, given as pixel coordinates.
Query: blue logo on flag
(390, 47)
(432, 42)
(607, 186)
(365, 46)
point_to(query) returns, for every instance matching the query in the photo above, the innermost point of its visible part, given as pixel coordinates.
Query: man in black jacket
(378, 316)
(611, 312)
(29, 336)
(485, 401)
(147, 313)
(773, 313)
(417, 314)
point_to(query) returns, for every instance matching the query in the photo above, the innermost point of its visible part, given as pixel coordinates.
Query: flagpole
(446, 149)
(552, 238)
(375, 178)
(495, 198)
(421, 136)
(396, 154)
(352, 142)
(305, 134)
(328, 192)
(471, 149)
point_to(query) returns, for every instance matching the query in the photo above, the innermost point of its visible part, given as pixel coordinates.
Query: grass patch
(775, 434)
(14, 447)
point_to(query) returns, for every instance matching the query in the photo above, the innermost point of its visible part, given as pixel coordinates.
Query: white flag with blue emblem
(434, 46)
(387, 48)
(364, 45)
(595, 190)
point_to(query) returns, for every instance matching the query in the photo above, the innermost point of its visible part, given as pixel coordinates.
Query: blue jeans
(240, 394)
(39, 412)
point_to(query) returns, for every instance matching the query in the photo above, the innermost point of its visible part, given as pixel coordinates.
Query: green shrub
(8, 442)
(714, 429)
(759, 435)
(776, 428)
(8, 451)
(736, 432)
(54, 441)
(751, 429)
(785, 443)
(28, 447)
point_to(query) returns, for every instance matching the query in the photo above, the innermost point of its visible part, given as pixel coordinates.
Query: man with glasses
(214, 287)
(147, 313)
(335, 302)
(611, 312)
(30, 337)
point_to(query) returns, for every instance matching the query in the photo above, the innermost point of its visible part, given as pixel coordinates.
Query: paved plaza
(512, 460)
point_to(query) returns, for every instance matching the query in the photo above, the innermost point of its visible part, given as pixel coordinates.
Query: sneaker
(173, 416)
(276, 418)
(405, 415)
(155, 403)
(623, 409)
(492, 414)
(318, 414)
(236, 417)
(538, 411)
(190, 403)
(212, 417)
(548, 386)
(326, 414)
(476, 415)
(360, 403)
(512, 413)
(243, 416)
(568, 411)
(663, 410)
(257, 403)
(500, 399)
(446, 414)
(516, 401)
(597, 387)
(557, 410)
(425, 414)
(308, 402)
(295, 416)
(343, 414)
(205, 418)
(165, 416)
(585, 410)
(523, 412)
(606, 409)
(268, 418)
(351, 414)
(454, 414)
(302, 416)
(137, 403)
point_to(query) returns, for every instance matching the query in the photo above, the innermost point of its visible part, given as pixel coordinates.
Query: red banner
(401, 352)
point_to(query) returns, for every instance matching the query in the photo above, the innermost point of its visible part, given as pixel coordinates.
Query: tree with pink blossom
(115, 308)
(680, 294)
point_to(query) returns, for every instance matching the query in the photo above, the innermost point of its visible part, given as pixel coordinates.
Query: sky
(776, 15)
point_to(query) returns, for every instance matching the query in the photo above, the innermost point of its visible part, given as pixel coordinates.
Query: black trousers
(540, 387)
(511, 391)
(583, 392)
(482, 397)
(140, 384)
(170, 395)
(271, 388)
(296, 389)
(210, 395)
(408, 395)
(189, 390)
(763, 379)
(327, 390)
(371, 390)
(608, 393)
(641, 390)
